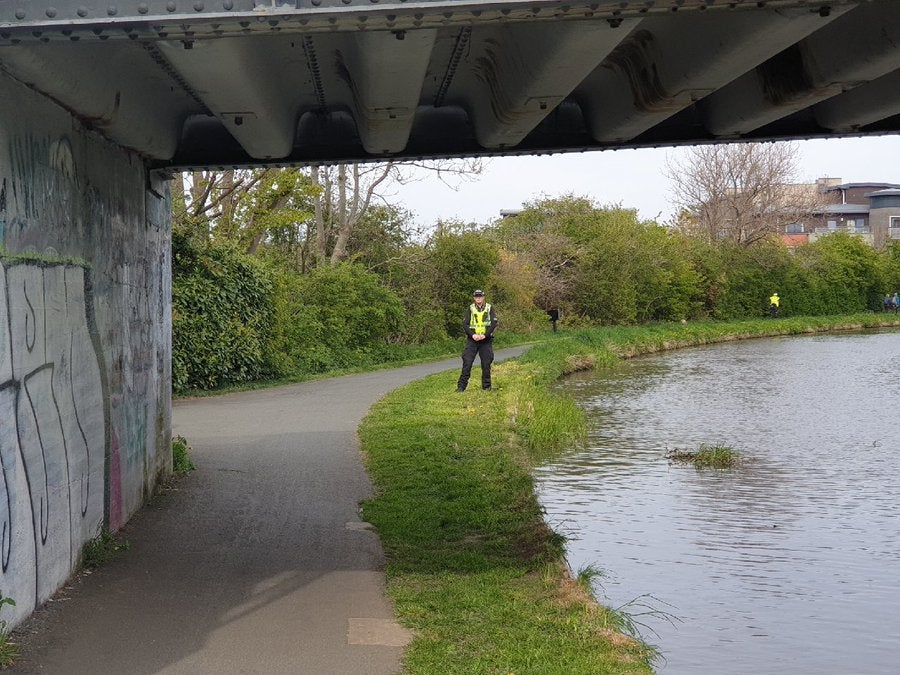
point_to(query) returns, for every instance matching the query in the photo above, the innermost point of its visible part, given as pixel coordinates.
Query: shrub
(222, 304)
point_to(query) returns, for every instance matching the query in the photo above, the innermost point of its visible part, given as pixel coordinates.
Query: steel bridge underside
(208, 83)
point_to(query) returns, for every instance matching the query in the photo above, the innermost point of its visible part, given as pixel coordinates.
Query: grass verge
(472, 567)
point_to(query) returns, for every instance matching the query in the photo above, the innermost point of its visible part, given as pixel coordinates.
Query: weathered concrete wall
(84, 345)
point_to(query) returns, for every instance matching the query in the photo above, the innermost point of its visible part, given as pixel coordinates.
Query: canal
(790, 562)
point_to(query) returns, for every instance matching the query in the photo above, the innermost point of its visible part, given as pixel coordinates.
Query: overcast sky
(632, 178)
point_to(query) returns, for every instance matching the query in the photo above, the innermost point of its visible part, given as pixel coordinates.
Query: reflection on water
(790, 563)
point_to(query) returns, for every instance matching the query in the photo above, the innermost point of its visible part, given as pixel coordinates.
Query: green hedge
(222, 312)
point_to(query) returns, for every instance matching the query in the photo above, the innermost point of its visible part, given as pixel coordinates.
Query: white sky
(632, 178)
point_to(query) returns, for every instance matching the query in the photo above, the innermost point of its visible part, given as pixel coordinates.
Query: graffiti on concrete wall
(52, 426)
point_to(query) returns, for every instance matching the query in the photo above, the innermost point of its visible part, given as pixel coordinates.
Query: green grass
(103, 548)
(181, 456)
(472, 567)
(9, 651)
(708, 456)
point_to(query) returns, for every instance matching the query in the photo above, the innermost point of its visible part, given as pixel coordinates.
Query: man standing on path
(479, 325)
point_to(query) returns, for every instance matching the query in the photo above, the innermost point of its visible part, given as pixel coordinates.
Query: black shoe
(486, 388)
(459, 390)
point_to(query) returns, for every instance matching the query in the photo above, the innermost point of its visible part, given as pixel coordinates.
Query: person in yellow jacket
(774, 304)
(479, 324)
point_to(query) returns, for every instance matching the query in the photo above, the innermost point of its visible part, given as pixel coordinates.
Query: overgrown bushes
(240, 317)
(222, 314)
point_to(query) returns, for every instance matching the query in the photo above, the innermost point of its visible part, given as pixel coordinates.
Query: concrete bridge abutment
(85, 340)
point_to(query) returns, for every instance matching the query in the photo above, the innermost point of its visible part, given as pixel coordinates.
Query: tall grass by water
(472, 567)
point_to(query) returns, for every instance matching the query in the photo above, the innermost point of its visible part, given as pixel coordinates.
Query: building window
(851, 223)
(832, 224)
(793, 228)
(895, 222)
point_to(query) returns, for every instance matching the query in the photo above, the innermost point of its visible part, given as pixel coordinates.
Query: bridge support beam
(85, 324)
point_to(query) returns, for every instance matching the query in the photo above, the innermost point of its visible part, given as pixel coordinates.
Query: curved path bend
(257, 562)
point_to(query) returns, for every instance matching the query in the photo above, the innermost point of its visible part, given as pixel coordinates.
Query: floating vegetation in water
(707, 456)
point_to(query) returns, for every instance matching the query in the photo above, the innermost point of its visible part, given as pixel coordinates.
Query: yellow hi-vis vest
(480, 318)
(774, 300)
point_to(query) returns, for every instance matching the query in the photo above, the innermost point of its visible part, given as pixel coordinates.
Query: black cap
(478, 291)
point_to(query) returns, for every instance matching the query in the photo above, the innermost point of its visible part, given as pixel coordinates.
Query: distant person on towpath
(479, 324)
(774, 305)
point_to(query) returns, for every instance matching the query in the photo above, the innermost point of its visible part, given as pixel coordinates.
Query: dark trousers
(485, 351)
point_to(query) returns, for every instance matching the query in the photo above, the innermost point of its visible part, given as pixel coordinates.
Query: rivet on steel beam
(112, 11)
(346, 2)
(20, 14)
(143, 8)
(75, 38)
(373, 0)
(36, 33)
(316, 3)
(614, 23)
(824, 11)
(171, 6)
(228, 5)
(198, 6)
(51, 12)
(82, 11)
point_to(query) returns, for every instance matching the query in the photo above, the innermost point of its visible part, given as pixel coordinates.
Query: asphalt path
(257, 562)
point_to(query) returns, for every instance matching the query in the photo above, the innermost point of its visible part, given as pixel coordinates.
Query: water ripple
(787, 563)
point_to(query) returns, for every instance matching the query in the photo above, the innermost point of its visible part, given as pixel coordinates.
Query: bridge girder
(191, 83)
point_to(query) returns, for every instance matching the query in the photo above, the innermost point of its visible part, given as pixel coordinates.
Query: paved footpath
(255, 563)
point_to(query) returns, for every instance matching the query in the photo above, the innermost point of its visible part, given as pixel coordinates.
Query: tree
(347, 191)
(459, 260)
(247, 207)
(740, 193)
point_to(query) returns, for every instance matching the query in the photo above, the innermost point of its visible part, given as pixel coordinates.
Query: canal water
(789, 563)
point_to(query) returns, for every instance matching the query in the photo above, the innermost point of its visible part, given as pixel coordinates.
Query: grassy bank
(472, 567)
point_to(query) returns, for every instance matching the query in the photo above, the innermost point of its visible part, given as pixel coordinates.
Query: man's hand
(477, 337)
